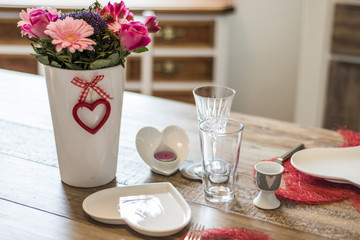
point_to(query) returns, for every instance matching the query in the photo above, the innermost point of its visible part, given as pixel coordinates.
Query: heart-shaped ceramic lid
(174, 139)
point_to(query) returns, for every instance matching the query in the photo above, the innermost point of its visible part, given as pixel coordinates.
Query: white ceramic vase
(86, 129)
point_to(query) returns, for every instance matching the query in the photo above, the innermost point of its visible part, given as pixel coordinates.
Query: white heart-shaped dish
(154, 209)
(174, 139)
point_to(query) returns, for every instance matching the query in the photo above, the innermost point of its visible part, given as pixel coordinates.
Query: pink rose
(152, 24)
(26, 29)
(134, 35)
(38, 20)
(118, 11)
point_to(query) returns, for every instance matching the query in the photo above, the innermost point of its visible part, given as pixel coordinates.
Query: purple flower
(91, 18)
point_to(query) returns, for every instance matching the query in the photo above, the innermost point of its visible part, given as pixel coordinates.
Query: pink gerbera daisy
(71, 33)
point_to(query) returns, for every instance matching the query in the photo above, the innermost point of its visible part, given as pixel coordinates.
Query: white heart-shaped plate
(149, 140)
(153, 209)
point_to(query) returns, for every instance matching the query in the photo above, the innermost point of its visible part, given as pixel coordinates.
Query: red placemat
(234, 233)
(303, 188)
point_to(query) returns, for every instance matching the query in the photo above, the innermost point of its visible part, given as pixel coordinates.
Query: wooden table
(35, 204)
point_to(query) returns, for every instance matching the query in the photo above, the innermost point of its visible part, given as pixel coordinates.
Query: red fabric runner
(303, 188)
(234, 233)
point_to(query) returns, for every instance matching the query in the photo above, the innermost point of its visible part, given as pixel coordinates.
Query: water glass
(213, 101)
(220, 141)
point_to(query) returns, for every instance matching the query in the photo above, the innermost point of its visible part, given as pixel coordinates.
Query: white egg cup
(268, 178)
(150, 141)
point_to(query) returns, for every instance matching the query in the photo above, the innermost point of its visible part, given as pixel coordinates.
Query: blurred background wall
(263, 56)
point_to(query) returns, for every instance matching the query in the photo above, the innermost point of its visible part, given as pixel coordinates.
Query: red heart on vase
(91, 107)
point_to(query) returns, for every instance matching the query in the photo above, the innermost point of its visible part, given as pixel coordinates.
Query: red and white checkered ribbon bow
(86, 85)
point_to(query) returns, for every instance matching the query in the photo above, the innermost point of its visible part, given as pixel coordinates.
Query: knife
(288, 154)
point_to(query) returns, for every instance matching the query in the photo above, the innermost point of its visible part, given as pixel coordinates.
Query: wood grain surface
(35, 204)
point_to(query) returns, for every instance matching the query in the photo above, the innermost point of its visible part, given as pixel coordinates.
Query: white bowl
(149, 141)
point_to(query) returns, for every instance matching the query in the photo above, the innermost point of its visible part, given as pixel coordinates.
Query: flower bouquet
(98, 37)
(84, 54)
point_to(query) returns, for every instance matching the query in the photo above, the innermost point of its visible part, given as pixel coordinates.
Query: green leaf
(140, 50)
(73, 66)
(63, 58)
(43, 59)
(101, 63)
(51, 53)
(55, 64)
(35, 49)
(114, 59)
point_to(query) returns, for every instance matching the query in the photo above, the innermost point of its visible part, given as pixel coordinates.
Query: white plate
(334, 164)
(153, 209)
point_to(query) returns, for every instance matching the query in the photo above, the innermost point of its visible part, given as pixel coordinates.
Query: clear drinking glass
(211, 102)
(220, 141)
